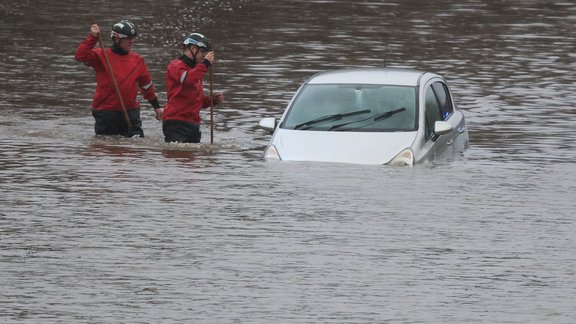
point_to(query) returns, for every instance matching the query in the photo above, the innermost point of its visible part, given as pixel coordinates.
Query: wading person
(185, 91)
(131, 76)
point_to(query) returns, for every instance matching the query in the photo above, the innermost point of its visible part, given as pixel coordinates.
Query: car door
(459, 136)
(439, 107)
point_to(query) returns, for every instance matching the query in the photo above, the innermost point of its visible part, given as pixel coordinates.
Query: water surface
(111, 230)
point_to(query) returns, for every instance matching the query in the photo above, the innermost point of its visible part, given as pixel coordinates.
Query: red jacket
(130, 71)
(185, 91)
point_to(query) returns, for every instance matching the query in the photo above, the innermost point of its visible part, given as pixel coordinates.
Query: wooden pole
(114, 80)
(211, 78)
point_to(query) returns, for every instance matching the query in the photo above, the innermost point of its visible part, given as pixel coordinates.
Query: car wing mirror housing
(269, 124)
(441, 128)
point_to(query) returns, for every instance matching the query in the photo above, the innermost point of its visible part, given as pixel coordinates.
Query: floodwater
(109, 230)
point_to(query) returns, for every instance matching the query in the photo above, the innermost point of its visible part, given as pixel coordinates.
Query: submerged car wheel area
(369, 116)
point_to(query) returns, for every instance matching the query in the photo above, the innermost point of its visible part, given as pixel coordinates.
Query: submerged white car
(369, 116)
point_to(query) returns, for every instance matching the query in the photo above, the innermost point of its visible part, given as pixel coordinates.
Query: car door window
(433, 112)
(444, 100)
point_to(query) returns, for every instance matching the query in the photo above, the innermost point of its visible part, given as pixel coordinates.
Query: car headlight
(272, 153)
(405, 158)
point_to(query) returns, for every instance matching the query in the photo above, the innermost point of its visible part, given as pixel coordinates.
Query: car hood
(344, 147)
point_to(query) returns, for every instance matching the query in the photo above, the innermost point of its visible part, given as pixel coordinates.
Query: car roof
(392, 76)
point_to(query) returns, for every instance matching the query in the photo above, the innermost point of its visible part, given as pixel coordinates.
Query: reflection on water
(120, 230)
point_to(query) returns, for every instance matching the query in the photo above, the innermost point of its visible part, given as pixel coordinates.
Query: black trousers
(180, 131)
(109, 122)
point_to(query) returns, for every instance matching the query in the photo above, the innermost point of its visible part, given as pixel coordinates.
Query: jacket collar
(118, 50)
(190, 62)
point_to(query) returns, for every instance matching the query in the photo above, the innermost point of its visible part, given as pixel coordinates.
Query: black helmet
(196, 39)
(124, 29)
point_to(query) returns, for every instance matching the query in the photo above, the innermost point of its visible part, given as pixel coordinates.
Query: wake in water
(155, 143)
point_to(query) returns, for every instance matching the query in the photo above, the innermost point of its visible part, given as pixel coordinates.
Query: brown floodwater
(112, 230)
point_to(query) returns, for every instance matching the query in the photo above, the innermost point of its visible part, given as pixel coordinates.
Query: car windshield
(353, 107)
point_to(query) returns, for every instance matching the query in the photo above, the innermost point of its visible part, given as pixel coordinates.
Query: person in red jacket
(131, 75)
(185, 91)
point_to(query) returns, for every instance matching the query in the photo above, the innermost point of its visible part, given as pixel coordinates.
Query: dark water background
(134, 230)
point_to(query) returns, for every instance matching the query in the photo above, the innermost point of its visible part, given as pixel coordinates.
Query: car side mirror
(441, 128)
(268, 123)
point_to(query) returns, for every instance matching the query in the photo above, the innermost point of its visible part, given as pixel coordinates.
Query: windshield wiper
(378, 117)
(328, 118)
(388, 114)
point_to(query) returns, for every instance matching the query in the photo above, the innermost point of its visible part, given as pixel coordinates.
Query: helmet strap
(194, 54)
(116, 40)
